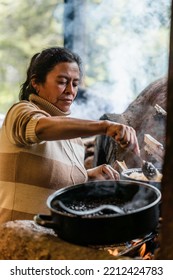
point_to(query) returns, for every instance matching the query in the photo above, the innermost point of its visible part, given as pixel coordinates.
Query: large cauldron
(138, 201)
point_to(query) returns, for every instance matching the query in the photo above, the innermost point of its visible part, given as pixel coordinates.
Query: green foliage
(26, 27)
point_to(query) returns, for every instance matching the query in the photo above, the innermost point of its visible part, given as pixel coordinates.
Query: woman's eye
(75, 85)
(65, 83)
(62, 82)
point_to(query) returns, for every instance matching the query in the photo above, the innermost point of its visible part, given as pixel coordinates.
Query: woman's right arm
(59, 128)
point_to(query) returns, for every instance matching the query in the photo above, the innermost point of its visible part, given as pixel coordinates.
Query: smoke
(130, 40)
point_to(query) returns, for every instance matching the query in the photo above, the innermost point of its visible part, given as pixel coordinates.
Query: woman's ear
(34, 84)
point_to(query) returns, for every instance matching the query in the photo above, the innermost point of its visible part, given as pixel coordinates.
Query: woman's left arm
(103, 172)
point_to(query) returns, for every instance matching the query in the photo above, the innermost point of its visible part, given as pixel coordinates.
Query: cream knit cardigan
(30, 169)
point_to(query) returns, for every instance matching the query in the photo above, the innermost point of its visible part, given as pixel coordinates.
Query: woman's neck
(47, 106)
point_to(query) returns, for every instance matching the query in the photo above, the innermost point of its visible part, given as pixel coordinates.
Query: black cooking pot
(125, 175)
(138, 204)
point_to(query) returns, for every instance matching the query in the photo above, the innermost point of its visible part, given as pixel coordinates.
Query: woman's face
(61, 85)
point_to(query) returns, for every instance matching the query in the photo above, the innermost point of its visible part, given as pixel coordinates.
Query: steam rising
(132, 39)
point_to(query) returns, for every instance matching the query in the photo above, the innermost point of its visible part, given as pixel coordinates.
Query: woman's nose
(70, 88)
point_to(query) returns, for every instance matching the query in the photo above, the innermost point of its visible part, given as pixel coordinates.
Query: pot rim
(65, 189)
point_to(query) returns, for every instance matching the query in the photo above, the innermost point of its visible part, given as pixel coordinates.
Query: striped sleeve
(31, 136)
(20, 123)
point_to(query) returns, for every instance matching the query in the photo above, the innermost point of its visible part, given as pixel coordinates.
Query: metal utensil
(149, 170)
(114, 208)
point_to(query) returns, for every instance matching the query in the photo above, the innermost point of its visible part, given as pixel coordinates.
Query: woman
(40, 146)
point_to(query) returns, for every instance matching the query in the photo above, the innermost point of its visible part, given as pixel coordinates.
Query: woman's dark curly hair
(42, 63)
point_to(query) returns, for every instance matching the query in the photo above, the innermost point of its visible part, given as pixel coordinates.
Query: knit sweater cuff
(31, 136)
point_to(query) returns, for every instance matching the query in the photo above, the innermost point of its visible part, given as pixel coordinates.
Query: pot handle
(44, 220)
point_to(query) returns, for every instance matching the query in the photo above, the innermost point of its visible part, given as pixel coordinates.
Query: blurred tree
(25, 28)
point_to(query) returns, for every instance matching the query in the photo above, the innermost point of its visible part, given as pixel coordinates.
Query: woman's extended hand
(103, 172)
(124, 135)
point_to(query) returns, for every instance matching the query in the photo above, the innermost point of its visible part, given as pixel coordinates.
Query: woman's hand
(61, 128)
(103, 172)
(124, 135)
